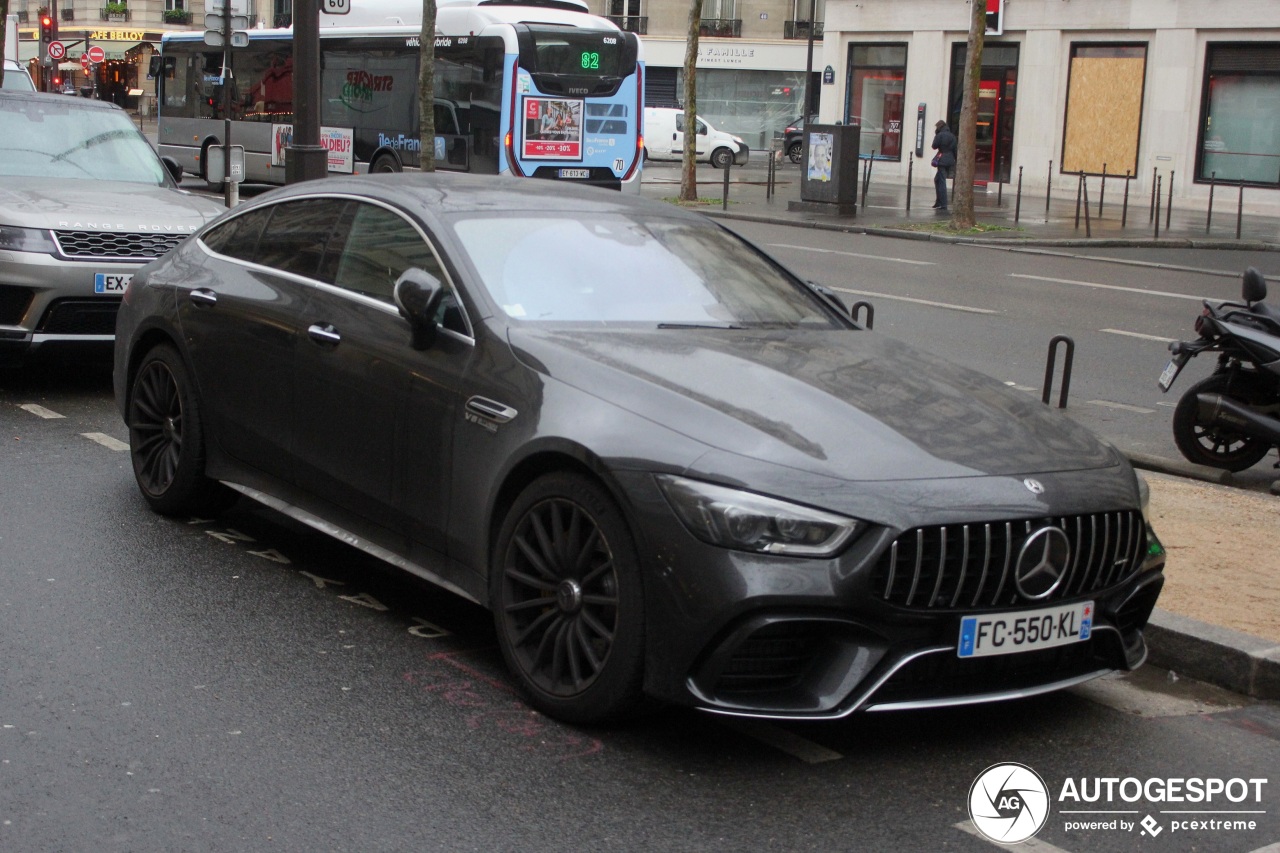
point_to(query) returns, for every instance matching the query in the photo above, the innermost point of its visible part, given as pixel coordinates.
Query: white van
(16, 77)
(664, 139)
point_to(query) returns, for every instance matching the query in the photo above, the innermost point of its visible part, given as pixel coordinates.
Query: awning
(113, 49)
(68, 66)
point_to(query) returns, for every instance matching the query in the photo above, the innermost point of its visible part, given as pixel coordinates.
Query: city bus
(534, 88)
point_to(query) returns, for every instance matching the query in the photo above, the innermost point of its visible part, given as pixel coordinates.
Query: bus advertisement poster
(552, 129)
(338, 142)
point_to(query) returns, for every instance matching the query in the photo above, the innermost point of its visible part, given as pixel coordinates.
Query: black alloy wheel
(1215, 445)
(166, 438)
(567, 600)
(794, 151)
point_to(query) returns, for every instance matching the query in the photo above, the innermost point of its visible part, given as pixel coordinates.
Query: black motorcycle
(1231, 419)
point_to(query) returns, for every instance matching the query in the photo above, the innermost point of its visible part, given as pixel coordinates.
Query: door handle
(325, 334)
(202, 296)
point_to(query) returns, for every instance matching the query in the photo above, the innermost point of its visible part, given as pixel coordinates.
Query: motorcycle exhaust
(1217, 410)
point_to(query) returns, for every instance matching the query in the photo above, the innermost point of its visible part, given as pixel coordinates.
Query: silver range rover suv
(84, 202)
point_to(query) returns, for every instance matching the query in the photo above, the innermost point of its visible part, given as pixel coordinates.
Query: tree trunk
(427, 88)
(689, 165)
(4, 18)
(962, 216)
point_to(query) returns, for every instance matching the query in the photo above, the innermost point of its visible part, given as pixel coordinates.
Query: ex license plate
(1172, 370)
(111, 282)
(1025, 630)
(575, 173)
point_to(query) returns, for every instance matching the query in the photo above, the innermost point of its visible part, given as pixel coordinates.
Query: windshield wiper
(699, 326)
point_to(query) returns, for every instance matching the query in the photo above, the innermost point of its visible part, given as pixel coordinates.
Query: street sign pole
(227, 84)
(306, 159)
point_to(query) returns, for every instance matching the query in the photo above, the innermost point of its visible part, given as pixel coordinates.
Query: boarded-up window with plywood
(1104, 108)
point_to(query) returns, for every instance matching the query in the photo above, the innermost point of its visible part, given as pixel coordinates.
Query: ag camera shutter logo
(1008, 803)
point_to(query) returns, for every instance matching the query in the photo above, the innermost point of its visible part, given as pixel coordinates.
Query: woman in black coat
(944, 141)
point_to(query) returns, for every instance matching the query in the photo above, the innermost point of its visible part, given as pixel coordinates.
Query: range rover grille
(112, 245)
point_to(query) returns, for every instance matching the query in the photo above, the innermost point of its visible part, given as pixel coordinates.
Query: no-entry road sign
(96, 54)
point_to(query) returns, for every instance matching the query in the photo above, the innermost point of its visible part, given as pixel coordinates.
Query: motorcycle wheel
(1218, 446)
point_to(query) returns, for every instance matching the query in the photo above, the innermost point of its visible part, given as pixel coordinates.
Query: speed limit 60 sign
(335, 7)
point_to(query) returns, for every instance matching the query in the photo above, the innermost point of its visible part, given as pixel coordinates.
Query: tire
(1217, 446)
(721, 157)
(385, 164)
(795, 150)
(567, 601)
(166, 439)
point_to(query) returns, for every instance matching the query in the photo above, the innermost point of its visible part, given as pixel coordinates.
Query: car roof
(60, 100)
(449, 194)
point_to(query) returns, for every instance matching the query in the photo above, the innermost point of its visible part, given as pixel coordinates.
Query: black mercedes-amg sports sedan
(667, 465)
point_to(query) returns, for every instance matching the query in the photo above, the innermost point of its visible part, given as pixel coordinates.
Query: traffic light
(47, 31)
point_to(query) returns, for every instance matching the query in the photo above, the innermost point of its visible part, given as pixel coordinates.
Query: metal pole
(1079, 193)
(1157, 197)
(1168, 213)
(867, 182)
(1124, 210)
(228, 185)
(1208, 219)
(1240, 210)
(1088, 228)
(1102, 189)
(911, 165)
(724, 200)
(1000, 183)
(1048, 189)
(808, 70)
(306, 159)
(1017, 206)
(1155, 170)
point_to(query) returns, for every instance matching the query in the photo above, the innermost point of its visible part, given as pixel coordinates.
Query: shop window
(997, 102)
(1240, 115)
(877, 80)
(1104, 108)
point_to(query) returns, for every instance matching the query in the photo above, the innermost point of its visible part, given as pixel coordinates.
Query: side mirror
(1254, 286)
(418, 294)
(173, 168)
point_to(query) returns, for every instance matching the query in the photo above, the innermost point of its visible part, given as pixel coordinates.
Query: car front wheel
(166, 439)
(568, 602)
(721, 158)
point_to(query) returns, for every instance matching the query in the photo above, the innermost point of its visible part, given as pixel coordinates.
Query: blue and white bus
(533, 88)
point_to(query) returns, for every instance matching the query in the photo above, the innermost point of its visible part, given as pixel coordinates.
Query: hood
(854, 405)
(61, 204)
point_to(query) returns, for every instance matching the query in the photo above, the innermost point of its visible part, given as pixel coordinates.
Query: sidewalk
(1220, 615)
(885, 211)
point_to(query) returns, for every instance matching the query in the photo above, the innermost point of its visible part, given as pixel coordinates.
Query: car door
(374, 416)
(241, 325)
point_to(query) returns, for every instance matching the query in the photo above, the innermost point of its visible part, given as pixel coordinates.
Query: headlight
(748, 522)
(1144, 495)
(738, 139)
(26, 240)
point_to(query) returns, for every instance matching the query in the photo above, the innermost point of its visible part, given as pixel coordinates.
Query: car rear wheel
(568, 602)
(794, 150)
(166, 439)
(721, 157)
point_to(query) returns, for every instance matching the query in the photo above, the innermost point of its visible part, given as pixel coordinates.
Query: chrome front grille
(112, 245)
(966, 566)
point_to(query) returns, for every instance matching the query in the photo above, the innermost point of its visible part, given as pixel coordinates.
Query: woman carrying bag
(944, 142)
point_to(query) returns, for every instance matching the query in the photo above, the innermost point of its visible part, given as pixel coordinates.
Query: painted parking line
(105, 440)
(1124, 407)
(1162, 340)
(781, 739)
(809, 249)
(965, 308)
(1033, 844)
(40, 411)
(1098, 286)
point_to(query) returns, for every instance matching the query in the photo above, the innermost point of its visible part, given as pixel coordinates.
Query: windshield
(616, 269)
(61, 139)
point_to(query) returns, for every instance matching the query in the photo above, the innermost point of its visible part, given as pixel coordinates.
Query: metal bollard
(1156, 208)
(1088, 228)
(1079, 193)
(1048, 189)
(1208, 218)
(1000, 184)
(1066, 369)
(866, 184)
(1017, 205)
(1124, 209)
(724, 202)
(1102, 190)
(1240, 210)
(911, 164)
(1168, 216)
(857, 309)
(1154, 172)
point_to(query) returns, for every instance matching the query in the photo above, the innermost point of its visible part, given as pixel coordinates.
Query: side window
(680, 122)
(297, 235)
(238, 236)
(702, 128)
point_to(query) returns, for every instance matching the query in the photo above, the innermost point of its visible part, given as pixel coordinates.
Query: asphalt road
(244, 683)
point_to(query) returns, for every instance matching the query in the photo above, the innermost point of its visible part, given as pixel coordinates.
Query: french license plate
(1172, 370)
(104, 282)
(575, 173)
(1025, 630)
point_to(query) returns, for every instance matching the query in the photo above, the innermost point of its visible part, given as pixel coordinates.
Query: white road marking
(1122, 406)
(852, 254)
(106, 440)
(1162, 340)
(1094, 284)
(40, 411)
(1270, 848)
(792, 744)
(1033, 844)
(946, 305)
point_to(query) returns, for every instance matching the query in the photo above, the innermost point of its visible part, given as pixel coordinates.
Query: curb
(1237, 661)
(1179, 468)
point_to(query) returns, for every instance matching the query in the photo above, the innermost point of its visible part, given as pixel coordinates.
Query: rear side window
(238, 236)
(297, 235)
(379, 246)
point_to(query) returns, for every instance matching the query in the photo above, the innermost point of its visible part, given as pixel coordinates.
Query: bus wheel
(385, 164)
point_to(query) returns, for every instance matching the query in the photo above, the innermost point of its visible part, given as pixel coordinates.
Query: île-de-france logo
(1008, 803)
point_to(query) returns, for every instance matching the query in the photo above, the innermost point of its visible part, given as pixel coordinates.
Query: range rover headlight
(732, 518)
(16, 239)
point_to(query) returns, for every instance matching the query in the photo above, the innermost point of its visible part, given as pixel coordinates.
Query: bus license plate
(575, 173)
(1025, 630)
